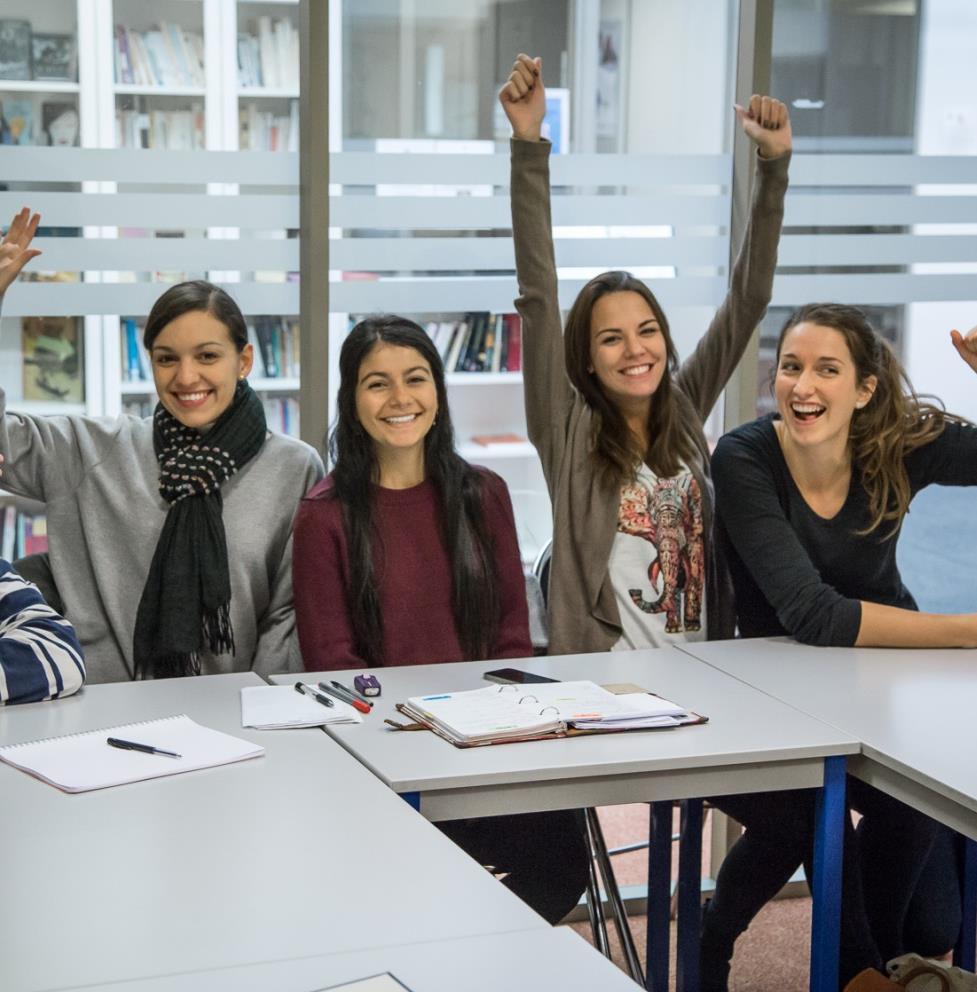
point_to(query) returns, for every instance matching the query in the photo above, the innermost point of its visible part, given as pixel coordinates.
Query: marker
(314, 694)
(344, 697)
(145, 748)
(352, 692)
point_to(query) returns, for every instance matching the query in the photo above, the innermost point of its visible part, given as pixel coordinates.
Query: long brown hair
(616, 449)
(459, 487)
(894, 422)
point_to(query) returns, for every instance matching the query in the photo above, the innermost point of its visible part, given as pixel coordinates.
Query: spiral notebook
(85, 762)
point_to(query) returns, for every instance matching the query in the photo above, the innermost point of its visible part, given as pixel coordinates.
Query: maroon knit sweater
(413, 573)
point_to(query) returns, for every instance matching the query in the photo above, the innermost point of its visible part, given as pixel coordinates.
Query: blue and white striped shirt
(40, 656)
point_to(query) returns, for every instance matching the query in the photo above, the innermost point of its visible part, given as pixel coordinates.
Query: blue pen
(447, 695)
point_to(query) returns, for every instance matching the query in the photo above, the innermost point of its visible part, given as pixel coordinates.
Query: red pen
(344, 696)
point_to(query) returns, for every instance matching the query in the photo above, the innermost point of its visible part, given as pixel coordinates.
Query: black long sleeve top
(795, 572)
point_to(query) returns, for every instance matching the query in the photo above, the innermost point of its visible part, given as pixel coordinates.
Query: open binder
(499, 714)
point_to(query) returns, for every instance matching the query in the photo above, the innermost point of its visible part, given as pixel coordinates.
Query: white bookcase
(233, 112)
(116, 112)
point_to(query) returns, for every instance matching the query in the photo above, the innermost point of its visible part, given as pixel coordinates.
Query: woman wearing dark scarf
(170, 537)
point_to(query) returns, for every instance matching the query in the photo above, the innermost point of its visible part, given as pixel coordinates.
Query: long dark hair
(616, 449)
(475, 599)
(892, 423)
(189, 297)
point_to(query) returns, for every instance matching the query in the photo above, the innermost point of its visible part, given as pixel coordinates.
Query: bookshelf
(233, 108)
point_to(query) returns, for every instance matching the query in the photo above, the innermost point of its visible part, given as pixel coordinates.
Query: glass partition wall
(419, 206)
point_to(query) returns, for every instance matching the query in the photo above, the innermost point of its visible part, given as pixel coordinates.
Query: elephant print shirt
(657, 562)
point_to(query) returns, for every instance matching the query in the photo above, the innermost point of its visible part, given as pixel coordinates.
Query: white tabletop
(294, 853)
(539, 959)
(913, 710)
(751, 742)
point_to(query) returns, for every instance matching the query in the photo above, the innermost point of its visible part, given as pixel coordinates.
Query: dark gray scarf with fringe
(185, 605)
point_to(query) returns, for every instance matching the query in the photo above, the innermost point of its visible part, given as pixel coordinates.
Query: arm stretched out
(548, 393)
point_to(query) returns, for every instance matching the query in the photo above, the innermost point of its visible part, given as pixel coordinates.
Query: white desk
(913, 711)
(547, 960)
(295, 853)
(752, 743)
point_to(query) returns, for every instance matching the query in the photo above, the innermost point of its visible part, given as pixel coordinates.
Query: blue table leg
(689, 897)
(413, 799)
(964, 952)
(659, 896)
(828, 843)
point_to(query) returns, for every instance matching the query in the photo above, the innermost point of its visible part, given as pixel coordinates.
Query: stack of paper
(588, 706)
(280, 707)
(521, 712)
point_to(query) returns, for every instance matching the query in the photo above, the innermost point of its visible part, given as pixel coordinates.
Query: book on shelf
(166, 56)
(53, 57)
(135, 366)
(268, 54)
(282, 415)
(276, 347)
(16, 121)
(480, 342)
(497, 440)
(15, 48)
(52, 359)
(60, 124)
(170, 130)
(264, 131)
(21, 533)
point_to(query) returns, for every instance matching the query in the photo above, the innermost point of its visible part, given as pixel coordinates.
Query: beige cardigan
(583, 614)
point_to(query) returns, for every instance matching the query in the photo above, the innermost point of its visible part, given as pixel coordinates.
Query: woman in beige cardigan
(617, 421)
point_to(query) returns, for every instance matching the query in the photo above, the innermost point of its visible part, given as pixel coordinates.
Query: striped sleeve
(40, 657)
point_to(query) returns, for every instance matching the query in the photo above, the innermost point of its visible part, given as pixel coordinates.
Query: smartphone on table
(515, 676)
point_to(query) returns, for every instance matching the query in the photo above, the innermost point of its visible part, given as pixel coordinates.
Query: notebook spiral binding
(88, 733)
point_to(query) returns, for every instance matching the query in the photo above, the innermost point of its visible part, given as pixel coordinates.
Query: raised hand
(966, 345)
(766, 123)
(15, 249)
(523, 98)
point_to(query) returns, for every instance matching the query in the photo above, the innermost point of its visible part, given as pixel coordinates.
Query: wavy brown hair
(616, 450)
(894, 422)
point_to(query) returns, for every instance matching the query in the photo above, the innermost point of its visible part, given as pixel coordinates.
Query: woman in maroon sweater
(406, 554)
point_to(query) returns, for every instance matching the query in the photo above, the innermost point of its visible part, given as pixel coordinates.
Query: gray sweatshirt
(100, 482)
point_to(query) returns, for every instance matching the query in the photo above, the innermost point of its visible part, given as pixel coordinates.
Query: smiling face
(628, 353)
(196, 367)
(816, 386)
(396, 399)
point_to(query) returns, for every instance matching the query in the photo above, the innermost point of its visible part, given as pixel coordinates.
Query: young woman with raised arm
(617, 421)
(810, 501)
(170, 537)
(406, 554)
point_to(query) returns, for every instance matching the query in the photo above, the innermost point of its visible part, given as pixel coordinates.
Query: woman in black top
(810, 502)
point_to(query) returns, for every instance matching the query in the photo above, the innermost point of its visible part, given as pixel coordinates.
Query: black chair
(37, 569)
(603, 873)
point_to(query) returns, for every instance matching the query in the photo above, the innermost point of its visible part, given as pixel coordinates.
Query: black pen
(314, 694)
(345, 696)
(353, 692)
(145, 748)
